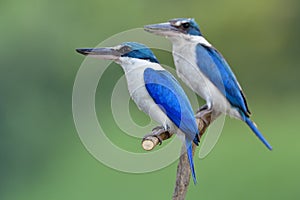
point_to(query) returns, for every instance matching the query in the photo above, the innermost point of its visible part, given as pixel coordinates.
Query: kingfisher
(203, 69)
(154, 90)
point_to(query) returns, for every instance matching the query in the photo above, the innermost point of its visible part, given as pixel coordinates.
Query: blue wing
(217, 70)
(169, 95)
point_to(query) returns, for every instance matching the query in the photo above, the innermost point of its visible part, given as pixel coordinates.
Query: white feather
(134, 73)
(184, 54)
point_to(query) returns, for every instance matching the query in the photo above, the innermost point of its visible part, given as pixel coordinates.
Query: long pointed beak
(102, 53)
(165, 29)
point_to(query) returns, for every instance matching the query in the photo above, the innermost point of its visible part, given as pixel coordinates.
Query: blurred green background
(40, 152)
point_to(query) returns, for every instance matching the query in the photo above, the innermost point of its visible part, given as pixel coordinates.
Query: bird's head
(126, 49)
(175, 27)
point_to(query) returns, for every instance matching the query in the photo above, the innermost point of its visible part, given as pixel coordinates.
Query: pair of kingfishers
(198, 64)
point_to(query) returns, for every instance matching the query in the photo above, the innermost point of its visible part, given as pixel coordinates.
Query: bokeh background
(41, 155)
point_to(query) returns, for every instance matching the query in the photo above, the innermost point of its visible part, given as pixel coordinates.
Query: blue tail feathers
(196, 139)
(257, 133)
(189, 151)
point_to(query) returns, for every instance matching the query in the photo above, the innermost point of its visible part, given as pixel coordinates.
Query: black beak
(161, 29)
(84, 51)
(103, 53)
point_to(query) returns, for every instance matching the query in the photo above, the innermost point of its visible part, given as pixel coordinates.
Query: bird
(155, 91)
(203, 69)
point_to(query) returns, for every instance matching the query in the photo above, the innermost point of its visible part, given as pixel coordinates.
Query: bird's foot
(204, 113)
(157, 135)
(156, 132)
(204, 107)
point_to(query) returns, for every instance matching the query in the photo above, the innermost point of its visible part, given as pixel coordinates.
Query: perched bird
(155, 91)
(205, 71)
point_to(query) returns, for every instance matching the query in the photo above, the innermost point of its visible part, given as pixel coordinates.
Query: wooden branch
(158, 134)
(183, 175)
(156, 137)
(183, 168)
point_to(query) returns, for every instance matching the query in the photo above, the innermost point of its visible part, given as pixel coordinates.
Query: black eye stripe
(124, 49)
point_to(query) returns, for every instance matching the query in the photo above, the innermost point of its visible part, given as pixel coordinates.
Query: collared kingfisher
(205, 71)
(154, 90)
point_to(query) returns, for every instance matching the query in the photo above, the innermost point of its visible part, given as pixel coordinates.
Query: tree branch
(158, 134)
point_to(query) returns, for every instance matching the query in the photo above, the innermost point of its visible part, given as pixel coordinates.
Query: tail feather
(257, 133)
(196, 139)
(189, 151)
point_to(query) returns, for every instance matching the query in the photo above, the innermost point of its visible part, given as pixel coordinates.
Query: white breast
(134, 72)
(184, 54)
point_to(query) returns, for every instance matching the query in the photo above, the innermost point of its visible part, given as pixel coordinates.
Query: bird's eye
(185, 25)
(124, 49)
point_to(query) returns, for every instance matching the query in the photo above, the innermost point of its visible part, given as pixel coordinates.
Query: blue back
(168, 94)
(217, 70)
